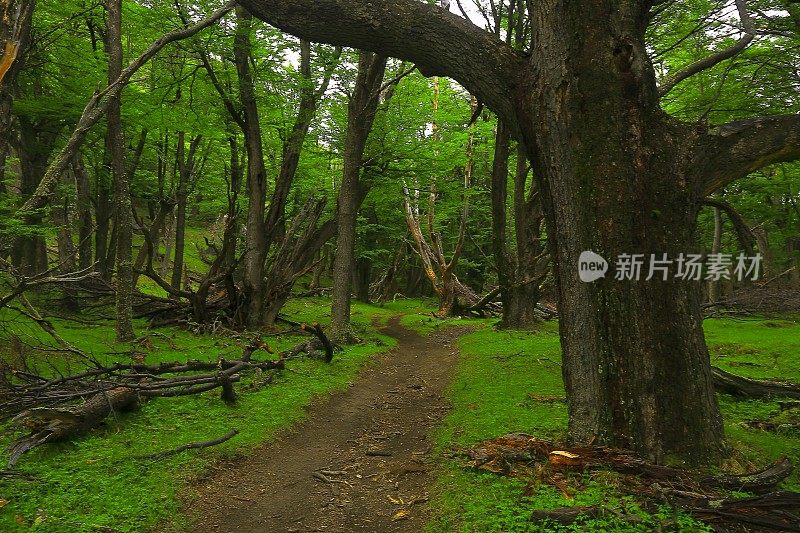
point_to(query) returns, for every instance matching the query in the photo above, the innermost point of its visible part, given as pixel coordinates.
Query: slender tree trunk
(360, 117)
(36, 143)
(60, 213)
(83, 205)
(531, 266)
(169, 238)
(180, 211)
(102, 215)
(255, 238)
(716, 245)
(123, 223)
(506, 277)
(185, 164)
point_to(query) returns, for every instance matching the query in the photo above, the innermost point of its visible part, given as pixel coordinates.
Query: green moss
(96, 481)
(511, 381)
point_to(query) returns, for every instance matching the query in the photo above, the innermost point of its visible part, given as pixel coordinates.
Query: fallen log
(752, 388)
(761, 481)
(50, 425)
(111, 389)
(500, 455)
(779, 511)
(517, 452)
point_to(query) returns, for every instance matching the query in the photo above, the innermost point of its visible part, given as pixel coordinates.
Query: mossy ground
(96, 481)
(501, 372)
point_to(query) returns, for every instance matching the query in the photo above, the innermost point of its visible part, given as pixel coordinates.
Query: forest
(399, 265)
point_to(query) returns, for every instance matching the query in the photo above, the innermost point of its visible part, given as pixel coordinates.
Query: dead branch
(191, 446)
(35, 400)
(516, 453)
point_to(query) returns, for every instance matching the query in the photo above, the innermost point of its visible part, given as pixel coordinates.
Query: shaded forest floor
(361, 462)
(501, 382)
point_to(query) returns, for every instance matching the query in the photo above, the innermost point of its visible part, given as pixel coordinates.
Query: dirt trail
(372, 440)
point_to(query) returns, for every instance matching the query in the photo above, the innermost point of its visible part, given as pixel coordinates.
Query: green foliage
(97, 481)
(499, 376)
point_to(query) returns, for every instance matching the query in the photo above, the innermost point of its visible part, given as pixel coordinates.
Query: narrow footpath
(361, 461)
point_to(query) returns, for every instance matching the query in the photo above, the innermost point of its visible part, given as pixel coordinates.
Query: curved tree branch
(410, 30)
(743, 232)
(736, 149)
(714, 59)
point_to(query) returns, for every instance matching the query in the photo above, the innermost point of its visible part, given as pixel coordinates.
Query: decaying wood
(753, 388)
(760, 481)
(192, 446)
(49, 425)
(37, 401)
(516, 452)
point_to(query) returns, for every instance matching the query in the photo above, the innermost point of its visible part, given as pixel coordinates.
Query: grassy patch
(511, 381)
(96, 481)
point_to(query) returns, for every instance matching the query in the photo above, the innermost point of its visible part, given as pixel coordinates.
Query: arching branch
(714, 59)
(410, 30)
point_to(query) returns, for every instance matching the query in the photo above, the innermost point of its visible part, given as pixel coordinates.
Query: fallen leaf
(3, 503)
(402, 514)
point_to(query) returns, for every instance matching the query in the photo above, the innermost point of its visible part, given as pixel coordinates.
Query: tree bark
(35, 144)
(361, 111)
(123, 259)
(14, 36)
(255, 239)
(716, 245)
(180, 210)
(83, 205)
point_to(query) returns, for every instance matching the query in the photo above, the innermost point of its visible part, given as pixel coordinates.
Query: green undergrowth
(97, 481)
(510, 381)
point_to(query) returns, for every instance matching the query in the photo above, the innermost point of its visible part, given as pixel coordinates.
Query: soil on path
(360, 462)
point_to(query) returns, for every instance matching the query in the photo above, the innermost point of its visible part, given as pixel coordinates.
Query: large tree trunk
(123, 258)
(360, 117)
(618, 186)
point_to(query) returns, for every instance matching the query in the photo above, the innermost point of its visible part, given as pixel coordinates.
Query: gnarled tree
(617, 175)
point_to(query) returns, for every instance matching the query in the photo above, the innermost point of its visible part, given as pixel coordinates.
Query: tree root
(753, 388)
